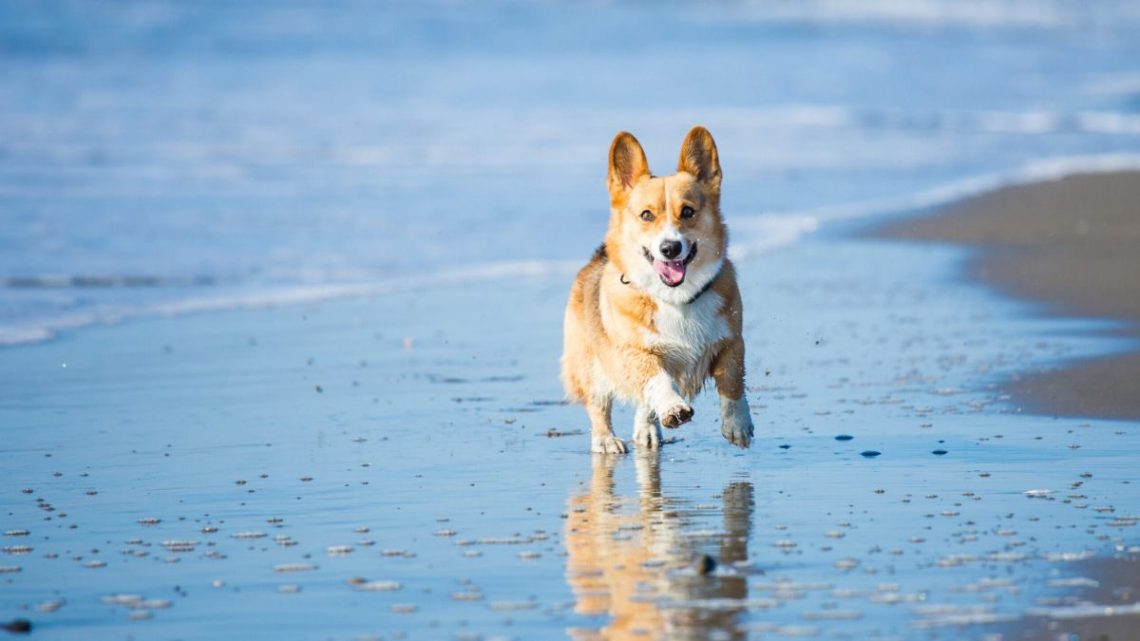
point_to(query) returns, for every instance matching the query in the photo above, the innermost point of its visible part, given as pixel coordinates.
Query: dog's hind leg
(602, 437)
(646, 432)
(728, 372)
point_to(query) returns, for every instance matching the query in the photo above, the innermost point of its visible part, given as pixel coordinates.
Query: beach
(281, 299)
(1072, 247)
(402, 465)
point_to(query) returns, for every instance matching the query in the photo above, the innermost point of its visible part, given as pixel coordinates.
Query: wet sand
(401, 467)
(1071, 246)
(1108, 583)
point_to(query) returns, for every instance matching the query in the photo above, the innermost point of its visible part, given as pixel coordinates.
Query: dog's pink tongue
(670, 271)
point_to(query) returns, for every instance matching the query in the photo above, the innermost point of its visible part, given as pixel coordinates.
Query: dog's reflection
(630, 559)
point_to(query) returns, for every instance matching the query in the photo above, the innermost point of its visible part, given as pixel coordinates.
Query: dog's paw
(647, 436)
(736, 423)
(677, 415)
(608, 444)
(737, 432)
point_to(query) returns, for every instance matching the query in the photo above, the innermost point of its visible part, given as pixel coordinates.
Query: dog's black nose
(671, 249)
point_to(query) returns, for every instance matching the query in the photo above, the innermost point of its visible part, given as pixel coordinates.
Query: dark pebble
(869, 453)
(844, 437)
(18, 626)
(705, 565)
(939, 452)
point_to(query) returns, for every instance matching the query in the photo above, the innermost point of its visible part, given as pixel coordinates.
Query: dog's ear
(699, 157)
(627, 165)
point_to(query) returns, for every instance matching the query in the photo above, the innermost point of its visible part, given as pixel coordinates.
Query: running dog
(656, 311)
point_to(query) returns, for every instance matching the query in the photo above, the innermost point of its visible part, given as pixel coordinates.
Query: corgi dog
(656, 311)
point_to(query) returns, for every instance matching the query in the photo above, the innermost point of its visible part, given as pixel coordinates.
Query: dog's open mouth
(671, 272)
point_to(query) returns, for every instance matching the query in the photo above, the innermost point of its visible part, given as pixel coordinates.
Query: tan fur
(630, 336)
(627, 554)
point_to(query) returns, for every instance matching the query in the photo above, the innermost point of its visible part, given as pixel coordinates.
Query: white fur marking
(685, 334)
(607, 444)
(688, 330)
(645, 429)
(661, 394)
(669, 233)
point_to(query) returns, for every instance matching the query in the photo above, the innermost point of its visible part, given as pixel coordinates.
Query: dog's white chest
(685, 332)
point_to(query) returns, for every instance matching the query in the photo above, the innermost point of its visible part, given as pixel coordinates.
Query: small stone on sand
(705, 565)
(18, 626)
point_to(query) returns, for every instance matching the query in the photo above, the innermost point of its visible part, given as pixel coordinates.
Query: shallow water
(162, 157)
(390, 200)
(401, 466)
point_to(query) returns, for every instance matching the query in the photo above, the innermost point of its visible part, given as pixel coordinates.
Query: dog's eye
(647, 215)
(687, 212)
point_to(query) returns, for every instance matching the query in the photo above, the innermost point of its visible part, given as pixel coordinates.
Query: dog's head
(665, 233)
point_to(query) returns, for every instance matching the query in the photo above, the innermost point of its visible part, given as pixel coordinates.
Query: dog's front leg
(646, 433)
(728, 372)
(602, 437)
(660, 396)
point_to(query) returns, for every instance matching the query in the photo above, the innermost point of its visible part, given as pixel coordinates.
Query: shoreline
(1070, 245)
(348, 457)
(899, 212)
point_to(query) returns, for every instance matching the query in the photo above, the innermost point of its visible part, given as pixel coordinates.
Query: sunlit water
(400, 467)
(163, 157)
(397, 463)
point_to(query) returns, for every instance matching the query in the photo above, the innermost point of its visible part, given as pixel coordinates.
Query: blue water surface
(161, 157)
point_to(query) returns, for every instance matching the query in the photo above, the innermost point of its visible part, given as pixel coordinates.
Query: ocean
(161, 158)
(365, 218)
